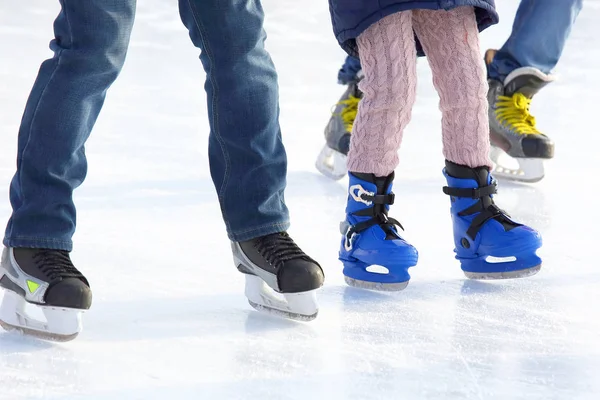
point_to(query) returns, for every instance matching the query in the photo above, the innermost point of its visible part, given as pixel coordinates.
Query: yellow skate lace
(349, 112)
(513, 112)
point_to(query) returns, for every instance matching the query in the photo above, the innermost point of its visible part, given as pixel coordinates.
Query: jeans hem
(252, 233)
(38, 243)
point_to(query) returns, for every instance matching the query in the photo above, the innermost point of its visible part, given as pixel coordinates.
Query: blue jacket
(351, 17)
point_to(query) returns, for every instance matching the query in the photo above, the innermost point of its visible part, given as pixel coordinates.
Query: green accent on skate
(32, 286)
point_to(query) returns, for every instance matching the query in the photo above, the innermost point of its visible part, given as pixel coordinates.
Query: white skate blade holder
(299, 306)
(377, 286)
(528, 170)
(523, 273)
(331, 163)
(60, 325)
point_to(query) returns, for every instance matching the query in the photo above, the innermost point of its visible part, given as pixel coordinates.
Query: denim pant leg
(247, 159)
(540, 30)
(91, 39)
(349, 71)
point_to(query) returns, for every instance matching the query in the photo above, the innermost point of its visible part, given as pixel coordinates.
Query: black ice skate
(513, 129)
(48, 280)
(275, 260)
(331, 161)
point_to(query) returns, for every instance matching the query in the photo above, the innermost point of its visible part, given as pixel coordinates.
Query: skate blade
(331, 163)
(38, 334)
(383, 287)
(522, 273)
(298, 306)
(60, 325)
(529, 170)
(281, 313)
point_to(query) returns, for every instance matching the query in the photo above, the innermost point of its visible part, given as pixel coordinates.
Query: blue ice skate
(370, 237)
(488, 244)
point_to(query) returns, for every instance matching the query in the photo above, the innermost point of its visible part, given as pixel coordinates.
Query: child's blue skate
(370, 237)
(489, 245)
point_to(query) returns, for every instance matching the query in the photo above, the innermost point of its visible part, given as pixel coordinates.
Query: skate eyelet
(465, 243)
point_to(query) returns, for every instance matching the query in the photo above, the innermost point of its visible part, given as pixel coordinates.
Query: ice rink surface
(170, 319)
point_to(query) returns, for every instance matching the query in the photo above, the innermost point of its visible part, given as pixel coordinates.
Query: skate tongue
(383, 183)
(526, 80)
(479, 174)
(383, 186)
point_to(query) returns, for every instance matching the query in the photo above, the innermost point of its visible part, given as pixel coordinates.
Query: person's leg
(389, 91)
(459, 77)
(388, 56)
(487, 242)
(247, 157)
(331, 161)
(349, 71)
(539, 33)
(90, 44)
(516, 73)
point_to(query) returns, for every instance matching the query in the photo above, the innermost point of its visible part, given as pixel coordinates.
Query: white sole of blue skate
(378, 286)
(522, 273)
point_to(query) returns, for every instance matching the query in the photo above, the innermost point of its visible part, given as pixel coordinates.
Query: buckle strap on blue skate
(471, 193)
(381, 220)
(380, 198)
(491, 212)
(378, 220)
(484, 206)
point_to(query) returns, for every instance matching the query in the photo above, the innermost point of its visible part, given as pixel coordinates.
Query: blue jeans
(247, 157)
(348, 72)
(539, 33)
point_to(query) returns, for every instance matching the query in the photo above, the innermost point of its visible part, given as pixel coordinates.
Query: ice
(170, 319)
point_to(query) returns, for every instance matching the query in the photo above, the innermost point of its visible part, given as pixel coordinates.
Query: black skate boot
(331, 162)
(512, 128)
(277, 261)
(49, 280)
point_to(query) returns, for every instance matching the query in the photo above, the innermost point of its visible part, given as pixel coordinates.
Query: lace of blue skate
(485, 207)
(279, 248)
(56, 265)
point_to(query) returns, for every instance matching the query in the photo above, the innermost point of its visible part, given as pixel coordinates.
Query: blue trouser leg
(349, 70)
(247, 159)
(539, 33)
(90, 44)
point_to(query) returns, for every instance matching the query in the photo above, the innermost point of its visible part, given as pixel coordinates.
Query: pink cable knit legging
(388, 57)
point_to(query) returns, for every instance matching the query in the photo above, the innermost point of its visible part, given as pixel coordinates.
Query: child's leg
(388, 57)
(451, 41)
(488, 243)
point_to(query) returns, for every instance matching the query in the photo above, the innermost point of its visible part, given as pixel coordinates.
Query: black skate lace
(279, 248)
(56, 265)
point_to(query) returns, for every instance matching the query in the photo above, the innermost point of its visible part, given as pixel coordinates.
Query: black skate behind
(276, 260)
(331, 160)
